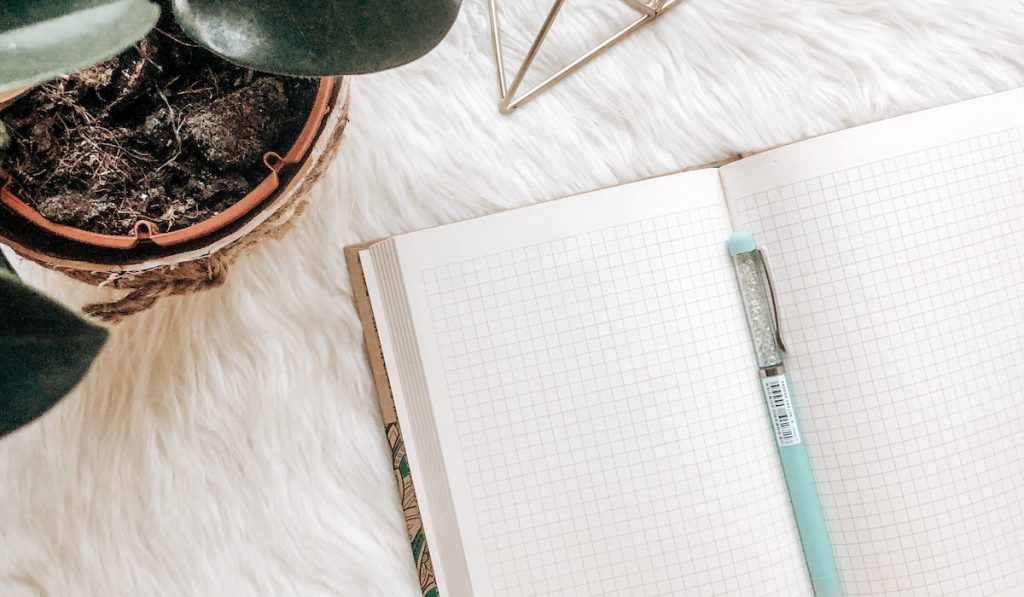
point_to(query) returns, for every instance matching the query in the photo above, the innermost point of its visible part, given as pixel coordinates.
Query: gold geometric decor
(647, 9)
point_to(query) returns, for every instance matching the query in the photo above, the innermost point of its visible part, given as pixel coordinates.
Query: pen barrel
(796, 466)
(759, 307)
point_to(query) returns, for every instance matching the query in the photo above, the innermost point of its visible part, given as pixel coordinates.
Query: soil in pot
(165, 132)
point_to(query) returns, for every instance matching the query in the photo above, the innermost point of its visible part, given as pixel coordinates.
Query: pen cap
(757, 301)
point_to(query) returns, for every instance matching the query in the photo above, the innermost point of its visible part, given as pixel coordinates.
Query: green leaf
(6, 265)
(317, 37)
(41, 40)
(45, 349)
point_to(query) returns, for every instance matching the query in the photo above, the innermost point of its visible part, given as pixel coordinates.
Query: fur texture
(228, 443)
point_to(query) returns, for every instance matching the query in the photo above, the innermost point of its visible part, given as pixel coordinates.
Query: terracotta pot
(151, 258)
(146, 230)
(9, 96)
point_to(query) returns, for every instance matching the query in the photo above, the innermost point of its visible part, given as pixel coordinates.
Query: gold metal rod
(511, 105)
(532, 52)
(496, 42)
(641, 6)
(507, 104)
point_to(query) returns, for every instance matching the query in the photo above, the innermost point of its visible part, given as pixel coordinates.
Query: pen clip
(763, 257)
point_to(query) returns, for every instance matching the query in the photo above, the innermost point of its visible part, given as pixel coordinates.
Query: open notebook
(578, 395)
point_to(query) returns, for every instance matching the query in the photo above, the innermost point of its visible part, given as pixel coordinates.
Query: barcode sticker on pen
(780, 409)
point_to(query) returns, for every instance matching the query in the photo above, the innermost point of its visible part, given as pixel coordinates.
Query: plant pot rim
(9, 96)
(147, 230)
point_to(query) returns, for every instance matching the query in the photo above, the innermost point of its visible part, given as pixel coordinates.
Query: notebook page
(896, 249)
(595, 401)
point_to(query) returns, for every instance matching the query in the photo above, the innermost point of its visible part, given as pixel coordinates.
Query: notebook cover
(389, 416)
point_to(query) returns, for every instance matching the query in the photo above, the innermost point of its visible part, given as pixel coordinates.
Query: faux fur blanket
(228, 443)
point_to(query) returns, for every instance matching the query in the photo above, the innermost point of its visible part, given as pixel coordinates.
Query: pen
(758, 296)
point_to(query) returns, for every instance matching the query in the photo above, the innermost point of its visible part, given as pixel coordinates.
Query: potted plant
(156, 141)
(146, 145)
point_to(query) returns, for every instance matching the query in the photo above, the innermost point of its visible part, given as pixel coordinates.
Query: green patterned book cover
(399, 459)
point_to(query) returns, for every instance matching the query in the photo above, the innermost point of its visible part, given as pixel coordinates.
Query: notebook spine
(396, 308)
(409, 380)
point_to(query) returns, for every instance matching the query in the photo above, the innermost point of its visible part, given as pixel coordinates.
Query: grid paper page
(900, 287)
(608, 419)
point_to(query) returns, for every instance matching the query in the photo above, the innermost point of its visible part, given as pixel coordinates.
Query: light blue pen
(758, 296)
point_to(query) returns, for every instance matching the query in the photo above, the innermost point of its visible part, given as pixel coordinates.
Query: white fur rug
(228, 443)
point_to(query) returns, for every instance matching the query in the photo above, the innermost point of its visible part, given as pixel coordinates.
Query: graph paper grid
(900, 286)
(609, 419)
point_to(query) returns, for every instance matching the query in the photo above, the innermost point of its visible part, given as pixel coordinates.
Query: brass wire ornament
(648, 10)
